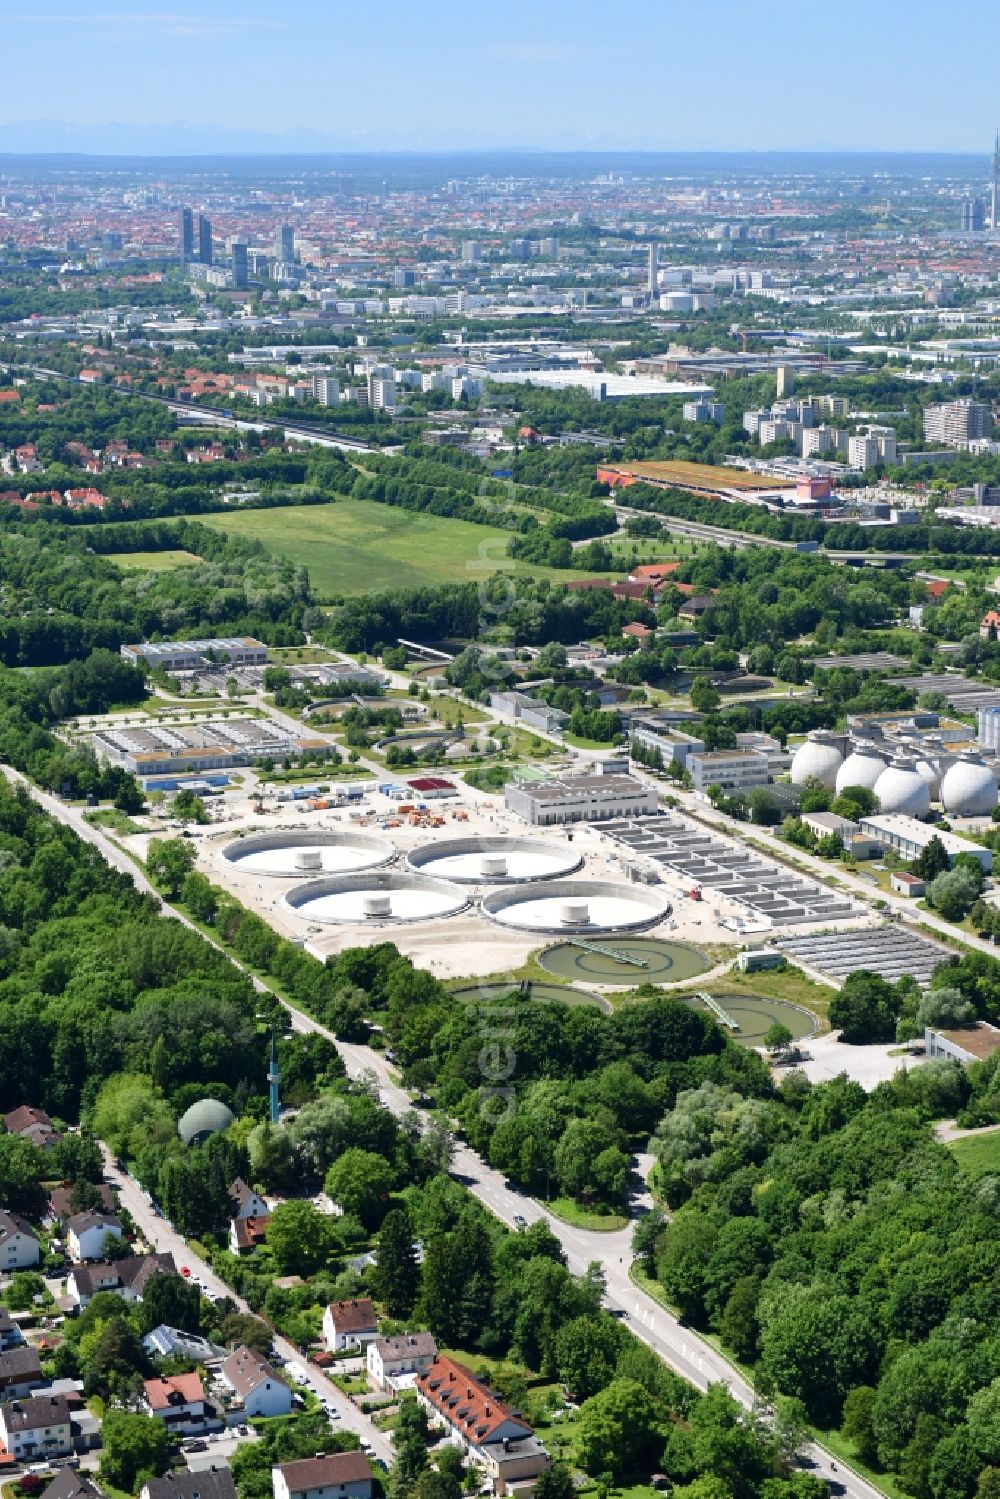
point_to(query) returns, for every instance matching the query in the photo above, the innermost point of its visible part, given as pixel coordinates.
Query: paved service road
(679, 1347)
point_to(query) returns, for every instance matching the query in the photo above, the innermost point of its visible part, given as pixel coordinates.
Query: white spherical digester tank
(861, 768)
(900, 789)
(969, 788)
(818, 759)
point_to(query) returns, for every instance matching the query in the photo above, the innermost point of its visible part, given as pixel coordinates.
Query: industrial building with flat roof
(908, 837)
(215, 744)
(607, 791)
(193, 655)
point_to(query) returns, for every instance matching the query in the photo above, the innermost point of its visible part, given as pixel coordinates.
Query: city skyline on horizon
(237, 79)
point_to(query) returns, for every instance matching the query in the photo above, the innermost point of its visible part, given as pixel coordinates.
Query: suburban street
(681, 1348)
(162, 1237)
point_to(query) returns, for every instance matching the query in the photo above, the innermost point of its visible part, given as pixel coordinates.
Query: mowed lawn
(978, 1155)
(153, 562)
(353, 546)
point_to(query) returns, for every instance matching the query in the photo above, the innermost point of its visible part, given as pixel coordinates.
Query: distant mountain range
(64, 137)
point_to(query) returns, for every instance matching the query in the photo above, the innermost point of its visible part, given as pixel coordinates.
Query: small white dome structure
(900, 789)
(861, 768)
(969, 788)
(818, 759)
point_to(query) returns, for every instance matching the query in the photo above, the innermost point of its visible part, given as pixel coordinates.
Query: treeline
(586, 1088)
(836, 1246)
(31, 703)
(62, 600)
(532, 612)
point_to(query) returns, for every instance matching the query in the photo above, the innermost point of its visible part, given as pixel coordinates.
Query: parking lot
(771, 893)
(893, 952)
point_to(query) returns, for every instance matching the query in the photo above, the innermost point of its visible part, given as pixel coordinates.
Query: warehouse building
(195, 655)
(605, 792)
(216, 744)
(908, 837)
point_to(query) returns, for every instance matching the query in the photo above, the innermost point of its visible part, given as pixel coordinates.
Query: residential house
(32, 1124)
(481, 1425)
(340, 1475)
(637, 631)
(178, 1400)
(69, 1484)
(165, 1342)
(18, 1244)
(126, 1278)
(393, 1362)
(695, 606)
(215, 1482)
(246, 1203)
(11, 1335)
(60, 1206)
(349, 1324)
(989, 625)
(86, 1234)
(20, 1372)
(258, 1389)
(246, 1233)
(36, 1427)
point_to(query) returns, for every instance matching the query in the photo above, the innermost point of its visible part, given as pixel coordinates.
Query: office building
(955, 423)
(284, 244)
(972, 219)
(604, 792)
(186, 226)
(239, 264)
(204, 240)
(402, 276)
(651, 272)
(549, 247)
(471, 250)
(732, 770)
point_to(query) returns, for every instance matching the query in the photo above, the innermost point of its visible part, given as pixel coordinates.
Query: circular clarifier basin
(753, 1017)
(318, 851)
(374, 899)
(555, 994)
(625, 962)
(494, 860)
(576, 907)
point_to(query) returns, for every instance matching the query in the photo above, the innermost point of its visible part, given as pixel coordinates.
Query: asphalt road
(682, 1349)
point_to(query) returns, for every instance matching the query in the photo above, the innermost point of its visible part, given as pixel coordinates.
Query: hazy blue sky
(664, 74)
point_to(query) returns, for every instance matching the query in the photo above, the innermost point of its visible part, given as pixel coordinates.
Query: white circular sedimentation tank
(861, 768)
(317, 851)
(900, 789)
(360, 898)
(494, 860)
(818, 759)
(969, 788)
(576, 907)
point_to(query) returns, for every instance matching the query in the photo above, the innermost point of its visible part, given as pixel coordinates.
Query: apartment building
(955, 423)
